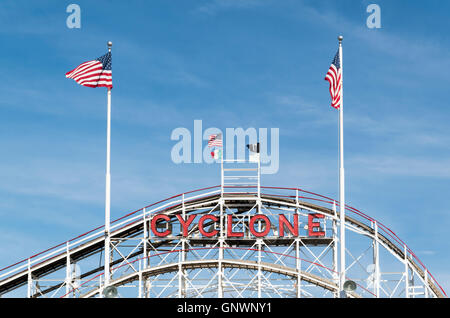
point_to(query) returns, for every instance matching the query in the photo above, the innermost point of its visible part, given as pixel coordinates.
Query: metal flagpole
(341, 173)
(108, 187)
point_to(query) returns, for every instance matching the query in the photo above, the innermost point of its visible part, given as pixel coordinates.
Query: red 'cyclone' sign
(254, 225)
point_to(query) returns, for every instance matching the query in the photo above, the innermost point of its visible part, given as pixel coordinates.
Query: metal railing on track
(296, 194)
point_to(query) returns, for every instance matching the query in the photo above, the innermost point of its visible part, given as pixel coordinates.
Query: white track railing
(287, 193)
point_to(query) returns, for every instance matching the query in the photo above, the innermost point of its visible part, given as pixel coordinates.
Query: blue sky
(229, 63)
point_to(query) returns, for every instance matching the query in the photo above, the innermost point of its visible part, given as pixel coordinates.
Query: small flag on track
(254, 152)
(253, 147)
(216, 154)
(215, 140)
(95, 73)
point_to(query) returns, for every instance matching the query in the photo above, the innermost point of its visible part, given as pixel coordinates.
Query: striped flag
(215, 140)
(334, 78)
(216, 154)
(96, 73)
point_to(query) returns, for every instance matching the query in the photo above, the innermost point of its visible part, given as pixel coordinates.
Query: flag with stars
(95, 73)
(215, 140)
(334, 78)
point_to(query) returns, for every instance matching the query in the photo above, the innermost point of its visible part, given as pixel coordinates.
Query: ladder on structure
(241, 176)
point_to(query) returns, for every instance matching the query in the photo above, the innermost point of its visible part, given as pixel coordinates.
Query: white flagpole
(341, 174)
(108, 187)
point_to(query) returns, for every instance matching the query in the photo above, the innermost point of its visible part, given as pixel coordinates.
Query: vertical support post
(298, 265)
(220, 270)
(221, 218)
(30, 280)
(148, 280)
(221, 246)
(183, 271)
(140, 279)
(376, 261)
(100, 293)
(341, 173)
(426, 284)
(148, 287)
(406, 273)
(182, 258)
(259, 240)
(183, 208)
(180, 270)
(145, 245)
(259, 268)
(259, 173)
(108, 187)
(68, 271)
(221, 176)
(335, 249)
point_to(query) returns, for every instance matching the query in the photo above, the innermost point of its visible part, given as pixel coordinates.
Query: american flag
(334, 78)
(96, 73)
(215, 140)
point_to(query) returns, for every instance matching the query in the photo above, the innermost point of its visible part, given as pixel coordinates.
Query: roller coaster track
(133, 224)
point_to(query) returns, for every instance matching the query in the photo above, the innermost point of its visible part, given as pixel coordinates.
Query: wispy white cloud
(430, 52)
(309, 111)
(402, 165)
(47, 177)
(161, 64)
(426, 252)
(23, 243)
(406, 131)
(214, 6)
